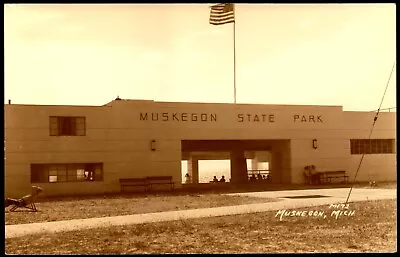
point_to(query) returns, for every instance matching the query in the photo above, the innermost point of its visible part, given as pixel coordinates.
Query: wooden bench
(133, 182)
(160, 180)
(327, 176)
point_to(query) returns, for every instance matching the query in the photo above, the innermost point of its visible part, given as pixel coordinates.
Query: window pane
(61, 178)
(80, 126)
(62, 170)
(393, 145)
(385, 146)
(72, 128)
(354, 146)
(72, 178)
(358, 146)
(362, 148)
(379, 146)
(53, 126)
(80, 132)
(80, 121)
(98, 173)
(61, 122)
(53, 170)
(367, 146)
(390, 146)
(72, 168)
(351, 146)
(80, 174)
(65, 124)
(373, 144)
(52, 178)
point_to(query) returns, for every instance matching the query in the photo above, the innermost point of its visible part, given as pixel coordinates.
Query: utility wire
(370, 133)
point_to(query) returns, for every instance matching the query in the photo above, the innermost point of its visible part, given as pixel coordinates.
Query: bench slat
(127, 180)
(133, 182)
(159, 178)
(327, 176)
(147, 181)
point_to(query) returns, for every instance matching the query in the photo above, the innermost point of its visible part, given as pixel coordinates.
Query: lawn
(380, 185)
(372, 228)
(93, 207)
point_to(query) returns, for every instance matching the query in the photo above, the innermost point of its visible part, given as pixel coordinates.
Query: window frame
(67, 126)
(52, 172)
(372, 146)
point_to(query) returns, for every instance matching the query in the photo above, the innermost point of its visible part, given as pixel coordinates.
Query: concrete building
(87, 149)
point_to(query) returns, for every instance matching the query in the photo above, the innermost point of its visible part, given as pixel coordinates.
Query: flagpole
(234, 54)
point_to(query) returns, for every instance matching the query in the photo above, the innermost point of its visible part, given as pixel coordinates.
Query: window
(372, 146)
(67, 126)
(71, 172)
(80, 174)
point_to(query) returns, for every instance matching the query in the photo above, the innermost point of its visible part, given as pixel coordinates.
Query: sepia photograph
(213, 128)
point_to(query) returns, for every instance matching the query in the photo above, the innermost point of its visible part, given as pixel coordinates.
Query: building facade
(87, 149)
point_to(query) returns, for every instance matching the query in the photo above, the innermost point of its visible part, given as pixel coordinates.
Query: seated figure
(215, 179)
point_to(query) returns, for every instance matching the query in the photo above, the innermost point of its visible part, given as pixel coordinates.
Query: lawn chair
(27, 201)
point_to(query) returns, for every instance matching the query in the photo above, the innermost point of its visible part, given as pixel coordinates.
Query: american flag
(222, 14)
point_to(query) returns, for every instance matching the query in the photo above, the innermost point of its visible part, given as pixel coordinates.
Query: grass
(371, 229)
(79, 207)
(380, 185)
(93, 207)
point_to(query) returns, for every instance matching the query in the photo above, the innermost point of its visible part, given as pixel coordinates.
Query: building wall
(378, 167)
(27, 141)
(332, 154)
(119, 136)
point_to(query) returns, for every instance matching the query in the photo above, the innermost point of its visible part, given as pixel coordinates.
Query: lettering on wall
(255, 117)
(184, 116)
(212, 117)
(307, 118)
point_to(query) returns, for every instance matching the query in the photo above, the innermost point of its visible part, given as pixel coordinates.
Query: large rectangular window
(372, 146)
(71, 172)
(67, 126)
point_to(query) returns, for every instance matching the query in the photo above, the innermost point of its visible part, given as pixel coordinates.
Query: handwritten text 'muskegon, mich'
(212, 117)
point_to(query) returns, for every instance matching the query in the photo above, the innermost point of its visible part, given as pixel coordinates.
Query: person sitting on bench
(215, 179)
(315, 176)
(222, 179)
(27, 201)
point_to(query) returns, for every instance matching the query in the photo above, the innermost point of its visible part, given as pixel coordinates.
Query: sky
(328, 54)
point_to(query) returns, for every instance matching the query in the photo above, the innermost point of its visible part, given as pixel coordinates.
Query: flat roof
(109, 104)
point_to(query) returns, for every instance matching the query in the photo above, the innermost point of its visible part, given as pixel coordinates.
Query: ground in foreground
(95, 207)
(372, 228)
